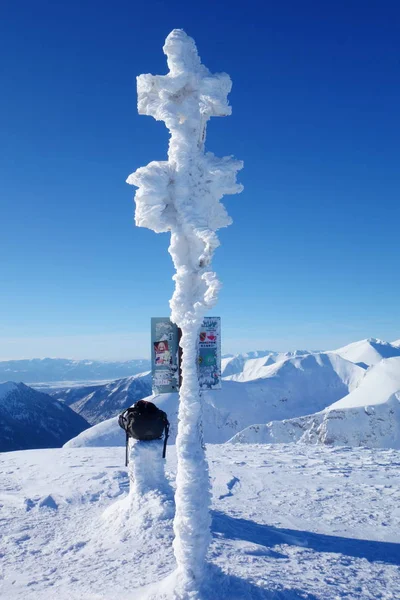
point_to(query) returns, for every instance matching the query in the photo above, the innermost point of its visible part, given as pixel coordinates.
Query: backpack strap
(166, 435)
(127, 450)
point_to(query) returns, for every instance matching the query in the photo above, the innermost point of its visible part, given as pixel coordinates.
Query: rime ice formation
(148, 508)
(147, 468)
(182, 195)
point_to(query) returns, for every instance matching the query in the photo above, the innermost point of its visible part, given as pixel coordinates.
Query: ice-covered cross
(182, 195)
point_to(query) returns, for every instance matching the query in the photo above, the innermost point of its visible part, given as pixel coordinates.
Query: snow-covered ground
(289, 522)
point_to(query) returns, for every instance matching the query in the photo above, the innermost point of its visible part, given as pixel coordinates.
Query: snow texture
(146, 468)
(183, 196)
(150, 498)
(289, 522)
(367, 416)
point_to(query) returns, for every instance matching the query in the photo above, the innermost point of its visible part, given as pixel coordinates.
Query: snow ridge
(367, 416)
(368, 352)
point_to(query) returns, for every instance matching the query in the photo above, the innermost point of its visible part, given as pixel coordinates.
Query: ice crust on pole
(182, 195)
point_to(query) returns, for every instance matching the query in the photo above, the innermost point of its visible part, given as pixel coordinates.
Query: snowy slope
(251, 361)
(289, 523)
(368, 352)
(70, 394)
(307, 373)
(292, 388)
(30, 419)
(38, 370)
(396, 344)
(98, 403)
(368, 416)
(231, 364)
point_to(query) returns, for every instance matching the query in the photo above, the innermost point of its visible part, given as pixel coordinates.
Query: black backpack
(144, 421)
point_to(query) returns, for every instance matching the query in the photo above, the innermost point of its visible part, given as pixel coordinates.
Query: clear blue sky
(312, 259)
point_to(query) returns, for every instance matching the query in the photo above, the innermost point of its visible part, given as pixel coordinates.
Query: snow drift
(368, 416)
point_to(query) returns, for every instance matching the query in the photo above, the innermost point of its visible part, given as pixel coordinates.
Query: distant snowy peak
(368, 416)
(396, 344)
(231, 365)
(31, 419)
(378, 385)
(368, 352)
(296, 365)
(235, 364)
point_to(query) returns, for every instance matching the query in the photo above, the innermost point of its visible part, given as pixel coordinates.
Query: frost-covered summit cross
(182, 195)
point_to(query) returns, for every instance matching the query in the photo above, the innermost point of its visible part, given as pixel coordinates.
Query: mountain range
(266, 396)
(97, 403)
(288, 388)
(39, 370)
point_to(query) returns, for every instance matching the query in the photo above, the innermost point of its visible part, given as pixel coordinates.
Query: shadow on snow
(224, 587)
(269, 536)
